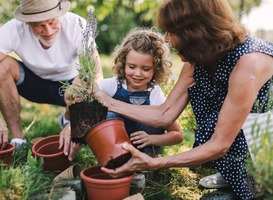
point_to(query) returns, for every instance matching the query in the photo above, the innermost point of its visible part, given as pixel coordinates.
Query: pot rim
(48, 145)
(35, 152)
(103, 181)
(9, 148)
(103, 121)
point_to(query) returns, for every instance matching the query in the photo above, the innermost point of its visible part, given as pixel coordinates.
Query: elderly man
(47, 38)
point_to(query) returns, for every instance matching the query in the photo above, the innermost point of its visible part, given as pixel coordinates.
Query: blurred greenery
(117, 17)
(261, 150)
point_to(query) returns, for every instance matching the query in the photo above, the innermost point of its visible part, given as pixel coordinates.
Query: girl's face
(171, 39)
(46, 31)
(139, 70)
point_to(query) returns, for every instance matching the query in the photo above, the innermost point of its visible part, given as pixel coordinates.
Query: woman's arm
(249, 75)
(156, 116)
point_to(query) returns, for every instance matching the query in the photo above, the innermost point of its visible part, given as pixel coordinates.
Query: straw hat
(40, 10)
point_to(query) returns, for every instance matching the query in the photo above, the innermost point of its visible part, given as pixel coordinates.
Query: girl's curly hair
(146, 41)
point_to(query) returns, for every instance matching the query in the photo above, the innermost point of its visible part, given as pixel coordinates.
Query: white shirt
(56, 63)
(110, 87)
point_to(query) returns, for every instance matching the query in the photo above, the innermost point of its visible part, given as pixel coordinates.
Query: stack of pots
(105, 141)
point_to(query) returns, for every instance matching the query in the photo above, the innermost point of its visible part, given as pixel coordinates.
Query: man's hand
(3, 134)
(70, 148)
(69, 98)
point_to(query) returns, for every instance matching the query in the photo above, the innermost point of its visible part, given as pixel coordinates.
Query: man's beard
(49, 43)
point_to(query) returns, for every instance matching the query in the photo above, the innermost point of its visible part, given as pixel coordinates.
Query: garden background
(115, 18)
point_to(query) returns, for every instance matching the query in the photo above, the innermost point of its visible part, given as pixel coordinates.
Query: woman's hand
(70, 148)
(3, 134)
(139, 161)
(141, 139)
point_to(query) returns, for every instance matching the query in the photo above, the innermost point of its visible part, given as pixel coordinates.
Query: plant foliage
(87, 61)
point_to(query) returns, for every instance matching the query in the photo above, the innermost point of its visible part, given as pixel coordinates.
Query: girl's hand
(141, 139)
(139, 161)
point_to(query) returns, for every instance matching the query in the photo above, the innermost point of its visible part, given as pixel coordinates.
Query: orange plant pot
(105, 141)
(6, 154)
(101, 186)
(54, 158)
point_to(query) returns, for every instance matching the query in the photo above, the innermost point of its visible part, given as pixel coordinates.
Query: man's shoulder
(15, 26)
(14, 22)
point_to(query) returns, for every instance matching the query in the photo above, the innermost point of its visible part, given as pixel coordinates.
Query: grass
(23, 180)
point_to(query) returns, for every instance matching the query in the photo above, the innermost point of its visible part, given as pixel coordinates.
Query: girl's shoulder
(108, 85)
(157, 96)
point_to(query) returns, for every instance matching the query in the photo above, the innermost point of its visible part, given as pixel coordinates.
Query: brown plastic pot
(101, 186)
(6, 154)
(34, 140)
(105, 141)
(54, 158)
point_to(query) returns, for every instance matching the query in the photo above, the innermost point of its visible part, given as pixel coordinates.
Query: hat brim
(42, 16)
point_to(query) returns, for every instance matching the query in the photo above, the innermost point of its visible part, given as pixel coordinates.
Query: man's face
(46, 31)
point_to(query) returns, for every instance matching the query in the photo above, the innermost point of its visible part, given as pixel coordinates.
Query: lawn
(24, 179)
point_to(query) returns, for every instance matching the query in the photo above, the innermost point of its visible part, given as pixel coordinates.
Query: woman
(226, 76)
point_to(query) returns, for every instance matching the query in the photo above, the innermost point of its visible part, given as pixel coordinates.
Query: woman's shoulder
(253, 44)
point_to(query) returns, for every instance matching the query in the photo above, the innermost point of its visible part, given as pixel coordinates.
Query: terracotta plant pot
(34, 140)
(101, 186)
(54, 158)
(105, 140)
(6, 154)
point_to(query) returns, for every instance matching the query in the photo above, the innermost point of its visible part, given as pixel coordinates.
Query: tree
(6, 9)
(117, 17)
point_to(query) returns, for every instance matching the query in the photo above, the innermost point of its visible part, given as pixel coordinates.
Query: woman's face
(139, 70)
(172, 39)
